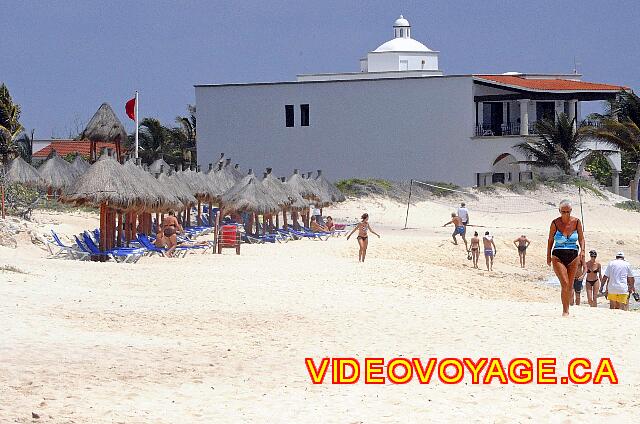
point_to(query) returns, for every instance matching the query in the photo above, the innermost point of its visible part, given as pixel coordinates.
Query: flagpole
(136, 114)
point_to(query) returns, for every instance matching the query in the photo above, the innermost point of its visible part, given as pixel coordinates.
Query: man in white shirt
(463, 213)
(620, 282)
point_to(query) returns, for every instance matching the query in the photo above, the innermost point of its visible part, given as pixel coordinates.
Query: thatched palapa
(302, 186)
(21, 172)
(57, 173)
(108, 182)
(275, 188)
(106, 127)
(80, 165)
(250, 196)
(158, 165)
(331, 190)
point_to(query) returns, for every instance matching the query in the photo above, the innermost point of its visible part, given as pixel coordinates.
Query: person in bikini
(565, 244)
(363, 228)
(475, 249)
(522, 243)
(489, 249)
(170, 229)
(594, 276)
(459, 229)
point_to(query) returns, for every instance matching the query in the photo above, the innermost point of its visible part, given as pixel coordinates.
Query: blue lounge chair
(122, 255)
(64, 250)
(143, 239)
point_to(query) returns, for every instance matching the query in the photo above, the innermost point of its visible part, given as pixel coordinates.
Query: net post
(581, 214)
(406, 219)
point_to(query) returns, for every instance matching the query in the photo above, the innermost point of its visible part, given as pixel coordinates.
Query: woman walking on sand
(565, 250)
(363, 228)
(475, 249)
(594, 276)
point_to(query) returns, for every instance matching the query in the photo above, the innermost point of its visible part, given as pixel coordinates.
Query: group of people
(566, 253)
(460, 221)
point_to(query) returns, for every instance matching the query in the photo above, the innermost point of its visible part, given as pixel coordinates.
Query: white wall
(392, 128)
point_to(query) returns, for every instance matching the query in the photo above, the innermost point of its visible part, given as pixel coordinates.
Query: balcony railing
(491, 130)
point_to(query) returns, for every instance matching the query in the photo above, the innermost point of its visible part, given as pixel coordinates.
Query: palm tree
(185, 134)
(620, 127)
(10, 126)
(24, 146)
(155, 141)
(558, 143)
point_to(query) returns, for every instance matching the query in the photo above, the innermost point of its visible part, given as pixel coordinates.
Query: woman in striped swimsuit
(363, 238)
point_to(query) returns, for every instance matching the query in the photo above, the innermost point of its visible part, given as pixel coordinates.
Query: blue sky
(62, 59)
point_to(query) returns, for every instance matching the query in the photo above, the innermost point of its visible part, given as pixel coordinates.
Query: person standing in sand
(522, 243)
(565, 244)
(459, 229)
(594, 275)
(463, 213)
(363, 228)
(620, 282)
(475, 249)
(577, 282)
(170, 229)
(489, 249)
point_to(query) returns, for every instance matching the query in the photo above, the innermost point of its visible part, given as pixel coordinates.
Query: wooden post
(278, 220)
(216, 229)
(249, 226)
(119, 227)
(2, 189)
(199, 217)
(103, 227)
(284, 219)
(211, 215)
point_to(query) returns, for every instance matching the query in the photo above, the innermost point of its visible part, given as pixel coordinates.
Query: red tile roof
(549, 84)
(64, 147)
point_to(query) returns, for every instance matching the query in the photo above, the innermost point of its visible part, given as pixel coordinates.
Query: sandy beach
(223, 338)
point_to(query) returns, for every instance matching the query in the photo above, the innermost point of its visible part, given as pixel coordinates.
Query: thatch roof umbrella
(235, 170)
(250, 195)
(57, 173)
(112, 187)
(21, 172)
(158, 165)
(302, 186)
(297, 201)
(178, 188)
(164, 199)
(106, 127)
(275, 188)
(322, 196)
(332, 191)
(107, 181)
(80, 165)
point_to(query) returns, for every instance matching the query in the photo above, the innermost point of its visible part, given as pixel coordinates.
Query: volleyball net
(486, 201)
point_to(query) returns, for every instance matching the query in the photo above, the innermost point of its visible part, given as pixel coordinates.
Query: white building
(398, 118)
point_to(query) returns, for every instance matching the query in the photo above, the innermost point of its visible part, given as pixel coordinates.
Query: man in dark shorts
(577, 282)
(522, 243)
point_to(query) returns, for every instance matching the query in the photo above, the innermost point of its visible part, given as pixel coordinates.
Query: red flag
(130, 107)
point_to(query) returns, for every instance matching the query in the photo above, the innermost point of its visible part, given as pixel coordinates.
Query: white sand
(214, 338)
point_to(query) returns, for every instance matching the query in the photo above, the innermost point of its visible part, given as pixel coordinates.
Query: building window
(304, 115)
(289, 118)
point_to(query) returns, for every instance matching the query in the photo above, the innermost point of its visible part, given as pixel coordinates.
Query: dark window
(289, 118)
(304, 115)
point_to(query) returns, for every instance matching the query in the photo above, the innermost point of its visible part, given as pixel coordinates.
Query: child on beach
(459, 228)
(363, 238)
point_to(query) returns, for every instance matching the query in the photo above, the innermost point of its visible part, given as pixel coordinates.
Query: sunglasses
(565, 211)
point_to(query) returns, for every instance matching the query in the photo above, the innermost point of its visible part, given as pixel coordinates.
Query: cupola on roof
(402, 41)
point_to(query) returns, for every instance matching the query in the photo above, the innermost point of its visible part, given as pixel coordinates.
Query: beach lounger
(152, 248)
(65, 251)
(122, 255)
(310, 235)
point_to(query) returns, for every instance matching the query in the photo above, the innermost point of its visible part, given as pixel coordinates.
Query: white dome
(402, 45)
(401, 22)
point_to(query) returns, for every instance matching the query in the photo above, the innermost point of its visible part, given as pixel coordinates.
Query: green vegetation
(359, 187)
(10, 127)
(629, 205)
(176, 145)
(487, 189)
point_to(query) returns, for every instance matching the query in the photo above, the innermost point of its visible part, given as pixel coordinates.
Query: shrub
(629, 205)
